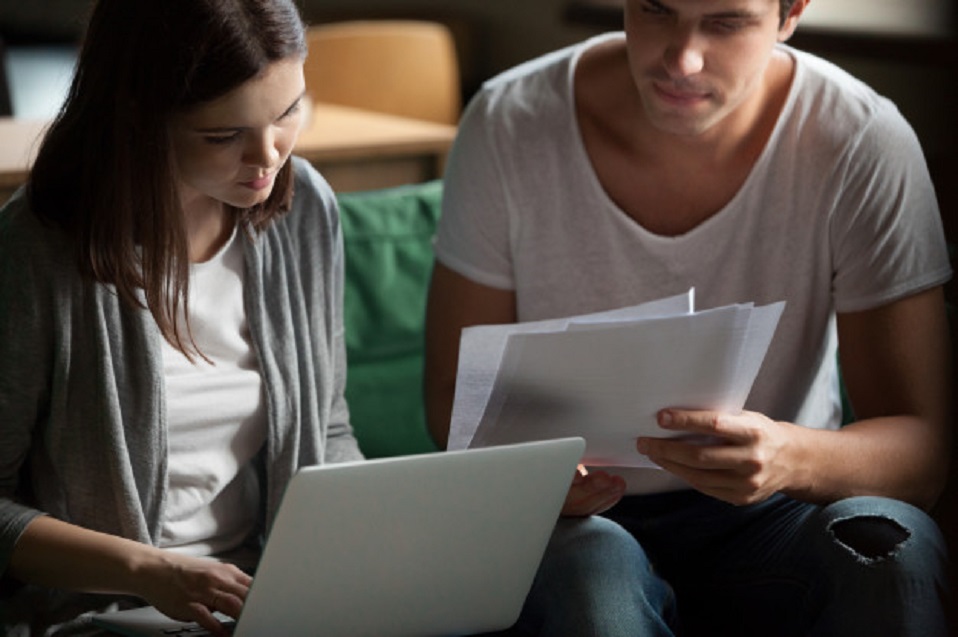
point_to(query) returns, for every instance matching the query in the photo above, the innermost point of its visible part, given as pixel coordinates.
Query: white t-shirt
(215, 416)
(837, 215)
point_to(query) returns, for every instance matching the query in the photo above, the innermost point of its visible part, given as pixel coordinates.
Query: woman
(170, 319)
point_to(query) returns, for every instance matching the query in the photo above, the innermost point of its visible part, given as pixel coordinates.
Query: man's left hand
(741, 458)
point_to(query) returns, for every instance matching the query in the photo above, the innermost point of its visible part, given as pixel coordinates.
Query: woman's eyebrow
(295, 103)
(233, 129)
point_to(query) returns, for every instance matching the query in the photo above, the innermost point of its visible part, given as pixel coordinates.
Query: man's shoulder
(832, 90)
(550, 71)
(834, 109)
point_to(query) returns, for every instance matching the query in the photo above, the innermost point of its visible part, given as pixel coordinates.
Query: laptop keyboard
(194, 630)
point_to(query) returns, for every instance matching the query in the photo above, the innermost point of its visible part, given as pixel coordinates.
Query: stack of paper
(605, 376)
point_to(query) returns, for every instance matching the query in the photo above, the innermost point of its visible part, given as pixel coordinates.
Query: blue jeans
(687, 564)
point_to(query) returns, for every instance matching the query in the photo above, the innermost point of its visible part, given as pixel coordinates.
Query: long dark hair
(104, 172)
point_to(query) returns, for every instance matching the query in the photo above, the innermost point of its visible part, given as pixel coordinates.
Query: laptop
(433, 544)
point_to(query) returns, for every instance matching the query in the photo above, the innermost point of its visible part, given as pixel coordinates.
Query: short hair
(784, 7)
(105, 171)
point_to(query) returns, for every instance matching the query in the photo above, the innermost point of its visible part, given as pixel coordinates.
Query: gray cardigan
(82, 408)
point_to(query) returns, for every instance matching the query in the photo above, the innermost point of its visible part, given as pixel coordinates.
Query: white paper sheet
(604, 377)
(481, 349)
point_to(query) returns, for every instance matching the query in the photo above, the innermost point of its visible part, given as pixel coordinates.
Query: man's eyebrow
(736, 14)
(233, 129)
(732, 14)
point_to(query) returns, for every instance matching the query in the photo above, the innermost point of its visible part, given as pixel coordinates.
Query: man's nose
(685, 54)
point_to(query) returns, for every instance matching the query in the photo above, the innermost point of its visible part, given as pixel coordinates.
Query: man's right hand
(592, 493)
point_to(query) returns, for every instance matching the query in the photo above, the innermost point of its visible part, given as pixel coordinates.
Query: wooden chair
(6, 105)
(400, 67)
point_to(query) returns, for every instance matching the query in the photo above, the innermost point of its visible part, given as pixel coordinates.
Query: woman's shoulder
(312, 194)
(25, 237)
(309, 184)
(34, 254)
(313, 216)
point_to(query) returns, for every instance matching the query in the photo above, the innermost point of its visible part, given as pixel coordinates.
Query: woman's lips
(259, 183)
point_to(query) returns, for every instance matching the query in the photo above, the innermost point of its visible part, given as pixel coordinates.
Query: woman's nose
(262, 151)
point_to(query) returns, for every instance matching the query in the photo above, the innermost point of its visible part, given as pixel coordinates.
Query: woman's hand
(56, 554)
(592, 493)
(192, 589)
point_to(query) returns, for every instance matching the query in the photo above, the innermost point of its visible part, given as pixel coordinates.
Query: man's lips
(678, 95)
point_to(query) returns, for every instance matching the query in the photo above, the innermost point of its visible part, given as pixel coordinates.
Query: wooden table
(354, 149)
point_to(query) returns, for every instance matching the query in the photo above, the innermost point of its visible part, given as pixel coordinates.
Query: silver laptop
(434, 544)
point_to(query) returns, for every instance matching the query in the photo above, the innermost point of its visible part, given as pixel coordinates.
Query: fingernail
(665, 418)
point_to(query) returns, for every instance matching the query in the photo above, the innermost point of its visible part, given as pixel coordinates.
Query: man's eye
(654, 9)
(726, 26)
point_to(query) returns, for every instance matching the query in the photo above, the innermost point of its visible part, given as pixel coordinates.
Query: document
(605, 376)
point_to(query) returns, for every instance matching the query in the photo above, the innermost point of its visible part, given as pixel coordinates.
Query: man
(699, 150)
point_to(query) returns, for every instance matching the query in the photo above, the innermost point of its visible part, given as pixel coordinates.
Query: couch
(387, 237)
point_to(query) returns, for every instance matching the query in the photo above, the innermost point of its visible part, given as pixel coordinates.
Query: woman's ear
(790, 23)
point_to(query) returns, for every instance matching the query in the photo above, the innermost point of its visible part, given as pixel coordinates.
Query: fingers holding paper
(739, 458)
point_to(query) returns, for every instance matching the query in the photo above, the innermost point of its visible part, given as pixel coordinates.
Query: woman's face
(229, 149)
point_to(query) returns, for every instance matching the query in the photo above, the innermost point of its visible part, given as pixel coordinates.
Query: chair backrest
(400, 67)
(6, 105)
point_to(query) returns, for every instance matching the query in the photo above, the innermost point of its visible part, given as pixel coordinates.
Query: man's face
(696, 62)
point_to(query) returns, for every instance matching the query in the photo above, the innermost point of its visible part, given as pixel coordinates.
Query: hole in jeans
(871, 537)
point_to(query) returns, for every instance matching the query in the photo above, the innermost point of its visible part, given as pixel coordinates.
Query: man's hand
(592, 493)
(741, 459)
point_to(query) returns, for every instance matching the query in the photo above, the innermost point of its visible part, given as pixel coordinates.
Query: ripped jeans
(686, 564)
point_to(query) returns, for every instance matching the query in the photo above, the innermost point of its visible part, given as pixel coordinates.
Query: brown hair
(104, 172)
(784, 6)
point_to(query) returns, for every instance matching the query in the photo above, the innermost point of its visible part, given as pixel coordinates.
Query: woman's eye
(292, 110)
(221, 139)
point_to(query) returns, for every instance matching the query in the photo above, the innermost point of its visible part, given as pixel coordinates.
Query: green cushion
(388, 237)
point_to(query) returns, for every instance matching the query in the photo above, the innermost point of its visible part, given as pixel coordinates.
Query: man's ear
(791, 20)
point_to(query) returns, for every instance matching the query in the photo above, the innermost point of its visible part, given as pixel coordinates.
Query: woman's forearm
(56, 554)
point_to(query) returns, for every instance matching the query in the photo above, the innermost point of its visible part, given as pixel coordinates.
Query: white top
(837, 215)
(215, 415)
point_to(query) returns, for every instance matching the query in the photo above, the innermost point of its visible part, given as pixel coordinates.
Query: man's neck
(739, 136)
(647, 170)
